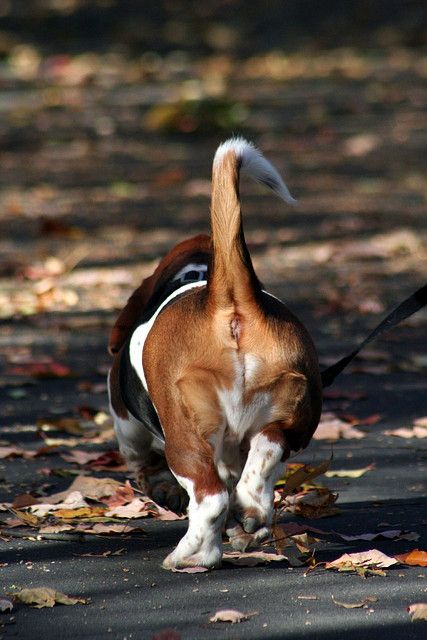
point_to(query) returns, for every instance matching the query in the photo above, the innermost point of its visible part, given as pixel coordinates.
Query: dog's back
(231, 373)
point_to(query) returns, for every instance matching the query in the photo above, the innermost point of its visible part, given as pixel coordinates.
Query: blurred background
(110, 112)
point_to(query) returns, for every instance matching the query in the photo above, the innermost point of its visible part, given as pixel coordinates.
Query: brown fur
(208, 332)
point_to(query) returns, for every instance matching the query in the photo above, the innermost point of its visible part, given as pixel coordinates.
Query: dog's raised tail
(232, 280)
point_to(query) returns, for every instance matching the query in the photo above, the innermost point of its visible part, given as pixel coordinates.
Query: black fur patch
(135, 396)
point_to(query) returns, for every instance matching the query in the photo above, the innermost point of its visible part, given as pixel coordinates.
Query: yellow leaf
(83, 512)
(304, 475)
(45, 597)
(348, 473)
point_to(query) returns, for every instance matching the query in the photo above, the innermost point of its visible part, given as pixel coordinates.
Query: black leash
(407, 308)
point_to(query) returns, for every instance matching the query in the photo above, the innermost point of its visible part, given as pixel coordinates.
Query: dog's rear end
(233, 377)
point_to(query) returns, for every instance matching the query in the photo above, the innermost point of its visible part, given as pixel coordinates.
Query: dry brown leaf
(196, 569)
(100, 528)
(166, 634)
(89, 487)
(390, 534)
(303, 475)
(135, 509)
(5, 605)
(355, 605)
(68, 425)
(24, 500)
(231, 615)
(251, 558)
(56, 528)
(123, 495)
(160, 513)
(416, 557)
(16, 452)
(81, 457)
(312, 504)
(372, 561)
(104, 554)
(407, 432)
(349, 473)
(41, 597)
(25, 518)
(333, 428)
(74, 500)
(418, 611)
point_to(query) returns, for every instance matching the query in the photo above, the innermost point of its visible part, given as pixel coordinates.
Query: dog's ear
(130, 315)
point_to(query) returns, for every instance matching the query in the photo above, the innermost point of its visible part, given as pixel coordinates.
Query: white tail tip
(253, 163)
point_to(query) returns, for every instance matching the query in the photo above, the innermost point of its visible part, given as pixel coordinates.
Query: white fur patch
(140, 334)
(240, 416)
(262, 470)
(255, 165)
(202, 544)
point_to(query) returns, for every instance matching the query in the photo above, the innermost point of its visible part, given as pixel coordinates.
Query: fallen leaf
(285, 534)
(100, 528)
(303, 475)
(372, 561)
(16, 452)
(56, 528)
(73, 500)
(349, 473)
(190, 570)
(135, 509)
(81, 457)
(104, 554)
(421, 422)
(416, 557)
(83, 512)
(41, 370)
(68, 425)
(355, 605)
(336, 394)
(333, 428)
(390, 534)
(27, 519)
(123, 495)
(89, 487)
(418, 611)
(166, 634)
(165, 514)
(407, 432)
(40, 597)
(24, 500)
(231, 615)
(312, 504)
(5, 605)
(251, 558)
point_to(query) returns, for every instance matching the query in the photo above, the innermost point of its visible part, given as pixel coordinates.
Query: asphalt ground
(131, 596)
(88, 179)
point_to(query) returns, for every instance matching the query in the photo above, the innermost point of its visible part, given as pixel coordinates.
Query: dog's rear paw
(241, 540)
(169, 494)
(208, 560)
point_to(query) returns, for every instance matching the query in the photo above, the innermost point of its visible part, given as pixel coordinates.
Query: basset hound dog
(214, 381)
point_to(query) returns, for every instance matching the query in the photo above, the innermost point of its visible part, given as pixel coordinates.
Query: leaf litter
(366, 602)
(418, 611)
(40, 597)
(232, 615)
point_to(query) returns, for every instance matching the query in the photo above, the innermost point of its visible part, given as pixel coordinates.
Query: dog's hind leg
(252, 501)
(146, 462)
(192, 461)
(207, 511)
